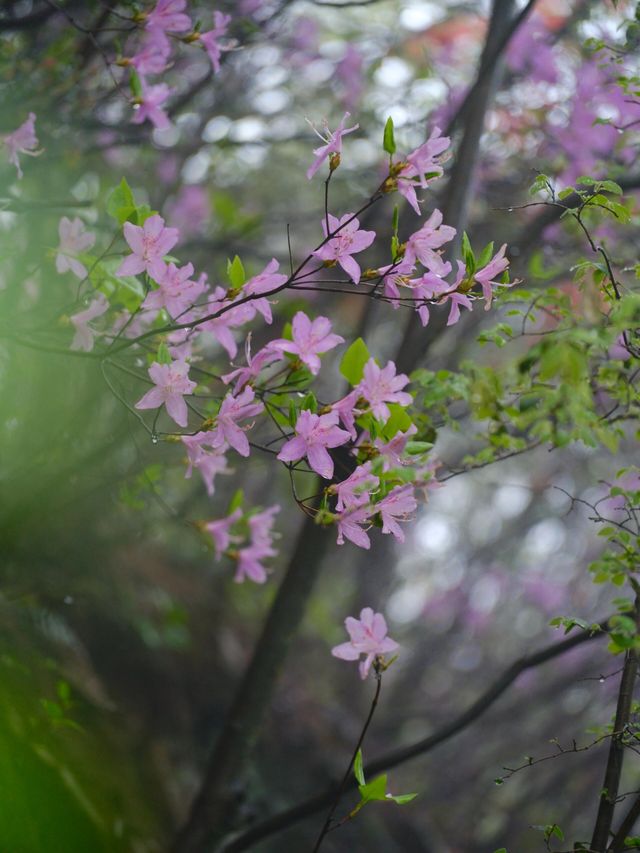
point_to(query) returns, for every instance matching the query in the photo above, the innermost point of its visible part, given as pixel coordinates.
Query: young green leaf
(389, 142)
(354, 360)
(236, 273)
(358, 772)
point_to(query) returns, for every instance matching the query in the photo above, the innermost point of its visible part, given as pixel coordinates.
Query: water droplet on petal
(154, 438)
(601, 679)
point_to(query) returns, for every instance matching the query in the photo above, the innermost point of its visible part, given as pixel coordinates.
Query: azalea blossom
(243, 375)
(422, 166)
(209, 461)
(260, 547)
(314, 434)
(149, 244)
(232, 410)
(210, 38)
(220, 531)
(347, 242)
(332, 146)
(149, 105)
(433, 287)
(153, 53)
(392, 450)
(23, 140)
(73, 240)
(398, 505)
(310, 338)
(487, 275)
(168, 16)
(422, 244)
(350, 526)
(394, 276)
(355, 490)
(347, 411)
(83, 339)
(268, 281)
(381, 385)
(177, 292)
(368, 637)
(172, 383)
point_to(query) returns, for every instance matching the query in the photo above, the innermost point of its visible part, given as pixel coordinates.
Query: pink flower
(168, 16)
(235, 409)
(172, 383)
(83, 339)
(333, 144)
(260, 547)
(368, 636)
(485, 277)
(149, 244)
(420, 163)
(354, 491)
(380, 386)
(73, 240)
(350, 527)
(433, 287)
(431, 236)
(153, 53)
(395, 276)
(310, 338)
(314, 434)
(399, 503)
(346, 243)
(255, 364)
(208, 462)
(210, 38)
(149, 105)
(392, 451)
(23, 140)
(347, 412)
(220, 531)
(268, 281)
(177, 292)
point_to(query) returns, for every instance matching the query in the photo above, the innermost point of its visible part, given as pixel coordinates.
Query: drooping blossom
(381, 385)
(23, 140)
(209, 461)
(210, 39)
(177, 292)
(232, 410)
(347, 242)
(220, 327)
(263, 358)
(433, 287)
(391, 451)
(486, 277)
(394, 276)
(351, 526)
(83, 339)
(266, 282)
(310, 338)
(171, 384)
(168, 16)
(422, 244)
(314, 434)
(220, 531)
(368, 637)
(149, 244)
(73, 240)
(260, 547)
(422, 166)
(347, 412)
(149, 105)
(398, 505)
(332, 146)
(153, 54)
(356, 489)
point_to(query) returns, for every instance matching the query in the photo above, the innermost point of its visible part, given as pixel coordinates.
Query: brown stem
(626, 827)
(345, 779)
(611, 783)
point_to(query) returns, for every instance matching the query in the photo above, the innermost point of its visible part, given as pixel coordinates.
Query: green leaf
(354, 360)
(236, 501)
(120, 203)
(376, 790)
(467, 253)
(486, 255)
(395, 219)
(402, 799)
(399, 421)
(163, 356)
(134, 83)
(389, 142)
(310, 403)
(236, 273)
(358, 772)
